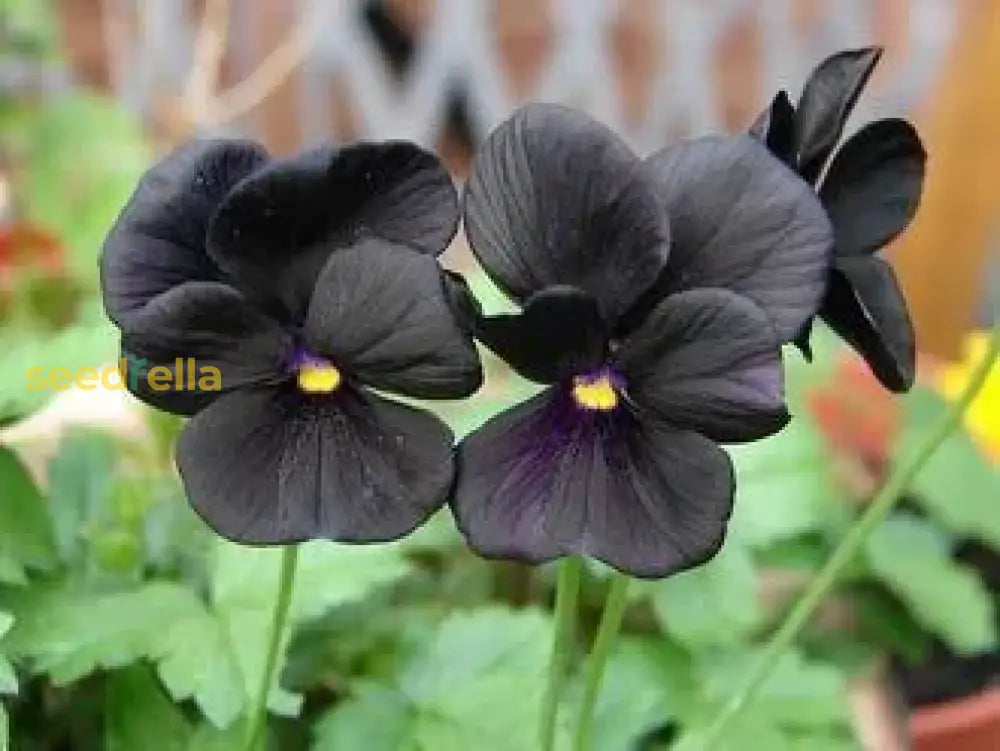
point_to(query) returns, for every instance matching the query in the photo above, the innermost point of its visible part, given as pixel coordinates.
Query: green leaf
(959, 487)
(716, 604)
(478, 683)
(797, 694)
(70, 633)
(11, 571)
(84, 345)
(913, 559)
(81, 478)
(783, 486)
(374, 719)
(196, 661)
(25, 529)
(645, 685)
(475, 684)
(245, 586)
(4, 729)
(8, 678)
(139, 717)
(209, 738)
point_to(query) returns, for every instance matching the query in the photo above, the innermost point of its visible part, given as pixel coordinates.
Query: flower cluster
(655, 297)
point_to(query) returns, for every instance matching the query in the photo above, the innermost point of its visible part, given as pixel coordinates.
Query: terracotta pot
(969, 724)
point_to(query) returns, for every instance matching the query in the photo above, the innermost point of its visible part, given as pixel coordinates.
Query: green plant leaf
(196, 661)
(210, 738)
(69, 633)
(491, 659)
(139, 716)
(81, 479)
(25, 528)
(798, 695)
(716, 604)
(8, 678)
(4, 729)
(783, 486)
(374, 719)
(913, 559)
(646, 685)
(475, 683)
(245, 586)
(83, 345)
(958, 486)
(11, 571)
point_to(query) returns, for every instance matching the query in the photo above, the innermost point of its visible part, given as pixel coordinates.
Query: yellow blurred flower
(983, 417)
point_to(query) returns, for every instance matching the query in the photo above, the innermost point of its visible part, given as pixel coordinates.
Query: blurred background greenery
(126, 625)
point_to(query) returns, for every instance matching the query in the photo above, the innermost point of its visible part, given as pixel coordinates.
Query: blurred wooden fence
(444, 71)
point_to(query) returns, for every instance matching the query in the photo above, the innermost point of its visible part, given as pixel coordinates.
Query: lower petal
(545, 480)
(865, 306)
(269, 466)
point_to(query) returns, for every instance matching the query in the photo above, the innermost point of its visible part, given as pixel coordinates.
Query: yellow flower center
(595, 394)
(318, 378)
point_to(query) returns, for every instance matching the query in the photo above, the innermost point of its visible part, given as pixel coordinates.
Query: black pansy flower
(302, 281)
(871, 189)
(617, 458)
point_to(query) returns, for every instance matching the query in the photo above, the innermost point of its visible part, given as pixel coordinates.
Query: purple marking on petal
(300, 357)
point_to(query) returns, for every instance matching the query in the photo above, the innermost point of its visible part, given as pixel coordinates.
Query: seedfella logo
(184, 375)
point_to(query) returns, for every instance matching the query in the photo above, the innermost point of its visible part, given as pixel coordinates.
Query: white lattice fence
(457, 49)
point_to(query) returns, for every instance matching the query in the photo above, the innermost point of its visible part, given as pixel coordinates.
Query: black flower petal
(208, 325)
(158, 240)
(545, 480)
(865, 306)
(555, 198)
(269, 466)
(383, 312)
(826, 103)
(560, 333)
(775, 128)
(873, 186)
(741, 220)
(276, 229)
(707, 360)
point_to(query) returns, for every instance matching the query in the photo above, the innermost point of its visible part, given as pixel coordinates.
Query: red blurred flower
(856, 416)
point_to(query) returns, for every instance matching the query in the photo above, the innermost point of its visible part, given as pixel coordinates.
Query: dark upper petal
(544, 480)
(743, 221)
(276, 229)
(211, 324)
(775, 128)
(829, 96)
(269, 466)
(707, 360)
(866, 307)
(560, 333)
(555, 198)
(873, 186)
(384, 313)
(158, 240)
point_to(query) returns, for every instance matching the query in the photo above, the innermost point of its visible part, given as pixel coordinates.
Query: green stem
(883, 502)
(567, 595)
(607, 632)
(258, 712)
